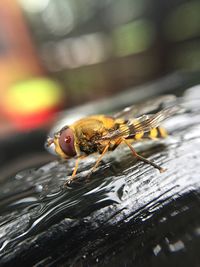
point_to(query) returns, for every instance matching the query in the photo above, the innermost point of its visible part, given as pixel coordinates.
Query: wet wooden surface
(128, 215)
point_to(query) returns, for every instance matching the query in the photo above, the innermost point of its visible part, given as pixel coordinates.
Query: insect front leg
(135, 154)
(73, 176)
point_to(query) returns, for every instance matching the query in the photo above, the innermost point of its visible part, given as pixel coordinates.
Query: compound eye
(66, 142)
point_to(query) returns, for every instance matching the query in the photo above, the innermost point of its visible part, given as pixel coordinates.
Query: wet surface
(127, 214)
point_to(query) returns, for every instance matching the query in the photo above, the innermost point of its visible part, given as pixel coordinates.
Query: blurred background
(56, 54)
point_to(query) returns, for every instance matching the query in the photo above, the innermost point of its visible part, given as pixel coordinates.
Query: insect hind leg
(135, 154)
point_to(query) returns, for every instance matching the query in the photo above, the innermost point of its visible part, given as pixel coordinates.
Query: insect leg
(74, 172)
(135, 154)
(98, 160)
(103, 153)
(115, 144)
(75, 168)
(101, 156)
(49, 141)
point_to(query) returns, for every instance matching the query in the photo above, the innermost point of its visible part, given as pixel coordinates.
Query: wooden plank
(129, 214)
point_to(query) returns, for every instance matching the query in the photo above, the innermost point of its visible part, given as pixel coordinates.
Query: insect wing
(144, 124)
(150, 106)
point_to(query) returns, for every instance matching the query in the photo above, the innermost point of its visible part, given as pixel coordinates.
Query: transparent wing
(144, 124)
(149, 106)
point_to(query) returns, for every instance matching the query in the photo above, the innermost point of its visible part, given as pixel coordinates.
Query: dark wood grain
(127, 215)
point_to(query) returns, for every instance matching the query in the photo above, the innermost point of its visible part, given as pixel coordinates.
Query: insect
(102, 133)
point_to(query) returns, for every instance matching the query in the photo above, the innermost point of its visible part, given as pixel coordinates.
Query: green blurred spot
(187, 57)
(84, 80)
(133, 37)
(183, 22)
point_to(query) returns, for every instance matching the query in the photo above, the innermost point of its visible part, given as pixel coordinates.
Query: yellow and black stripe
(155, 133)
(129, 128)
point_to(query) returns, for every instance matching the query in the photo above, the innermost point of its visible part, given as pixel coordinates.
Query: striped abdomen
(134, 129)
(158, 132)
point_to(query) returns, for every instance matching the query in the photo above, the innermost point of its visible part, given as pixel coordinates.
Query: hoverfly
(102, 133)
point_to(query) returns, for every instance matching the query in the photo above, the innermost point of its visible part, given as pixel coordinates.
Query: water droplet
(179, 245)
(156, 250)
(50, 207)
